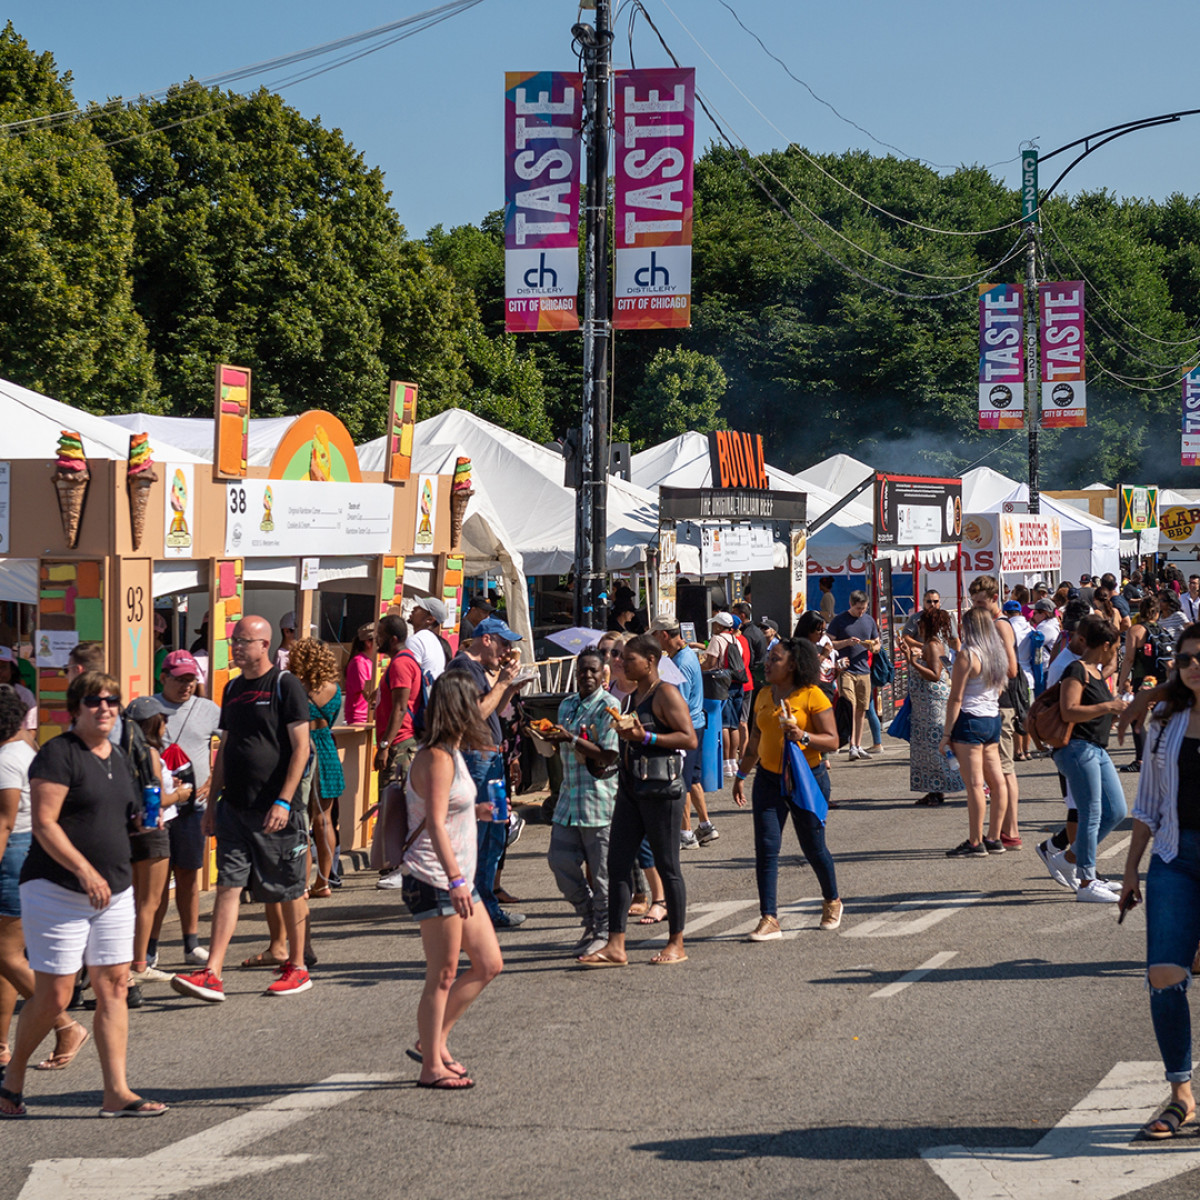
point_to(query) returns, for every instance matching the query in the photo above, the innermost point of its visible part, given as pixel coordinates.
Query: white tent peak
(32, 423)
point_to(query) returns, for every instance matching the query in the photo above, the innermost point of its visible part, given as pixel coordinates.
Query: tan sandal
(665, 958)
(61, 1060)
(650, 918)
(640, 905)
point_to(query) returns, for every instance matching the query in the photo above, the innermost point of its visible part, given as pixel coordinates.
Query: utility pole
(1030, 215)
(591, 524)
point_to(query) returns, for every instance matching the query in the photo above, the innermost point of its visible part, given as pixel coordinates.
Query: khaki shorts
(856, 689)
(400, 756)
(1006, 742)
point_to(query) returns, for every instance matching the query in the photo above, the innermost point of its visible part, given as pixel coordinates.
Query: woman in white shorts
(77, 892)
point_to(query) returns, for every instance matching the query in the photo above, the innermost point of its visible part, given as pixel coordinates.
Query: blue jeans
(1172, 933)
(770, 809)
(873, 723)
(484, 766)
(1096, 790)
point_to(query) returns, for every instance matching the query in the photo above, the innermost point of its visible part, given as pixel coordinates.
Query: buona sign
(737, 460)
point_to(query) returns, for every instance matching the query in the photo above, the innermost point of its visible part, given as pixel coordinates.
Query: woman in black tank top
(651, 794)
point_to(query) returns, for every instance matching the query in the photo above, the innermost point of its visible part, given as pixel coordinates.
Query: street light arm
(1125, 127)
(1132, 127)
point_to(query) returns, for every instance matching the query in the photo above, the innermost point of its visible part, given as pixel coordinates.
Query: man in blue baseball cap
(491, 653)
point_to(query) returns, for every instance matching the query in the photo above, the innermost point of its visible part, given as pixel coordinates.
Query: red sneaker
(1010, 843)
(203, 985)
(290, 981)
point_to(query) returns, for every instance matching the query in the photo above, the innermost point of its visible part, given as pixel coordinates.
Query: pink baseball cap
(180, 662)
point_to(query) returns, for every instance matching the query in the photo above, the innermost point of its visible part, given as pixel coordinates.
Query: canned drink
(498, 796)
(151, 806)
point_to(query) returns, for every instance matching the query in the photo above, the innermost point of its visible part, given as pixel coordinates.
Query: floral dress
(928, 769)
(331, 782)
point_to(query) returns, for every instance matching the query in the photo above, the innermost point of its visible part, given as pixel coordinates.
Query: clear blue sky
(945, 80)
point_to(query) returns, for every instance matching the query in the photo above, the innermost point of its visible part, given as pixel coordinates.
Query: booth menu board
(916, 510)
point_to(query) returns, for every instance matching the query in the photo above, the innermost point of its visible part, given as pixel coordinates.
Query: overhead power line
(402, 28)
(842, 117)
(810, 159)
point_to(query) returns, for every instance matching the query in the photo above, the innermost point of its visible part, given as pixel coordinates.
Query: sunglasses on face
(1184, 660)
(247, 641)
(615, 652)
(97, 701)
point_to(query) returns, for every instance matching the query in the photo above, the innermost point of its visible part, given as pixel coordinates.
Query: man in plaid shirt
(588, 747)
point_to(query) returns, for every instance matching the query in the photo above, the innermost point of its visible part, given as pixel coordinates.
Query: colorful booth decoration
(71, 480)
(317, 447)
(232, 424)
(452, 594)
(226, 612)
(461, 492)
(391, 588)
(70, 611)
(140, 477)
(403, 409)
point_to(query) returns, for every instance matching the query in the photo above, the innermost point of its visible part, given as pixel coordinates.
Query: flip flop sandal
(136, 1108)
(1174, 1117)
(600, 959)
(415, 1054)
(60, 1062)
(262, 960)
(639, 908)
(448, 1083)
(650, 918)
(17, 1101)
(667, 960)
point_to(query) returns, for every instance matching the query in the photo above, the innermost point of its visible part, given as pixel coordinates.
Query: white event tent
(31, 424)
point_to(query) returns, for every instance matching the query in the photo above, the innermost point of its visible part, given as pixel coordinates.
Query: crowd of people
(97, 821)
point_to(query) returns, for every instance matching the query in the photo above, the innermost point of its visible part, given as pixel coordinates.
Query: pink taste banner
(1191, 419)
(543, 114)
(1064, 372)
(1001, 356)
(654, 125)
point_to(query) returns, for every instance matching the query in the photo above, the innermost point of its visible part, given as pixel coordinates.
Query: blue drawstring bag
(901, 726)
(799, 784)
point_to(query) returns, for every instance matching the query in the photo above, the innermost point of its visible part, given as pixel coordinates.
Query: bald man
(260, 762)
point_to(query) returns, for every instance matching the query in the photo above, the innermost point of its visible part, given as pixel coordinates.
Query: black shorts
(187, 840)
(151, 843)
(692, 766)
(278, 860)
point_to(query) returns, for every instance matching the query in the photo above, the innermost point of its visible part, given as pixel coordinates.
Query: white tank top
(979, 700)
(421, 859)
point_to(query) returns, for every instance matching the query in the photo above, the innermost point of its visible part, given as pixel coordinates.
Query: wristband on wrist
(457, 883)
(739, 774)
(647, 738)
(283, 804)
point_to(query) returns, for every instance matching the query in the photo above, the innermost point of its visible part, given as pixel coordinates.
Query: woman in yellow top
(793, 707)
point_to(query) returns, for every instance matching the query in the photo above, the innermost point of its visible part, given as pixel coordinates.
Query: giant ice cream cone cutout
(460, 492)
(71, 480)
(140, 476)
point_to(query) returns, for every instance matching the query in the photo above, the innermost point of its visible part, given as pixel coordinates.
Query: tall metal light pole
(591, 525)
(1030, 214)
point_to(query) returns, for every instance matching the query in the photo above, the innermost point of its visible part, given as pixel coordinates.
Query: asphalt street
(819, 1065)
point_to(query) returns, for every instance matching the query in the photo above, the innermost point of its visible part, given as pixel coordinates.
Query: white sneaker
(730, 769)
(393, 881)
(1058, 865)
(688, 841)
(150, 975)
(1047, 853)
(1095, 894)
(199, 956)
(857, 752)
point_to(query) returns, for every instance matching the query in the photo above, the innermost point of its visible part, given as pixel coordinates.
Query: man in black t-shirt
(263, 755)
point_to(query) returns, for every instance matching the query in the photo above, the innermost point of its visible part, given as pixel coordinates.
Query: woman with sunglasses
(77, 892)
(1167, 809)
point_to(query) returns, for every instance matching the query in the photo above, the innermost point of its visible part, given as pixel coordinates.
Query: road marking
(712, 913)
(893, 924)
(794, 919)
(201, 1160)
(1088, 1155)
(1093, 916)
(1119, 848)
(932, 964)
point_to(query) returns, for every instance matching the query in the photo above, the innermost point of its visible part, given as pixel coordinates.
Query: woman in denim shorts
(439, 865)
(973, 725)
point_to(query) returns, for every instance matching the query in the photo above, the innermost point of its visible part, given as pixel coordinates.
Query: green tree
(682, 390)
(263, 238)
(70, 329)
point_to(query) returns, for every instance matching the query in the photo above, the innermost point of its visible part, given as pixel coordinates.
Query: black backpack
(136, 753)
(736, 665)
(1157, 650)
